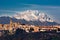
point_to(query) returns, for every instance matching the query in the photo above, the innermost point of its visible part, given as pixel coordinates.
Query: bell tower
(11, 24)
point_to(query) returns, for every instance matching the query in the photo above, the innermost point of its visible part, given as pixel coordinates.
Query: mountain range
(30, 17)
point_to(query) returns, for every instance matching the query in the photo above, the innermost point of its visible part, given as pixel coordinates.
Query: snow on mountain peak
(33, 15)
(43, 17)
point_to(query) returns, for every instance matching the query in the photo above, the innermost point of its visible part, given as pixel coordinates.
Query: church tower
(11, 24)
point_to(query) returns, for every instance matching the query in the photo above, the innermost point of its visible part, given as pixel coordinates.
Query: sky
(11, 7)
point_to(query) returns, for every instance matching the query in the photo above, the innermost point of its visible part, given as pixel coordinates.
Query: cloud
(7, 11)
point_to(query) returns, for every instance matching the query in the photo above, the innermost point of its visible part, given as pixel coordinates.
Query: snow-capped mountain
(27, 15)
(30, 17)
(33, 15)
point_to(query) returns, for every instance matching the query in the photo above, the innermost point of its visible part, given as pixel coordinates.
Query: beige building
(14, 25)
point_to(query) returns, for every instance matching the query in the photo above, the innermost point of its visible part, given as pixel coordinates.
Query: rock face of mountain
(6, 20)
(30, 17)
